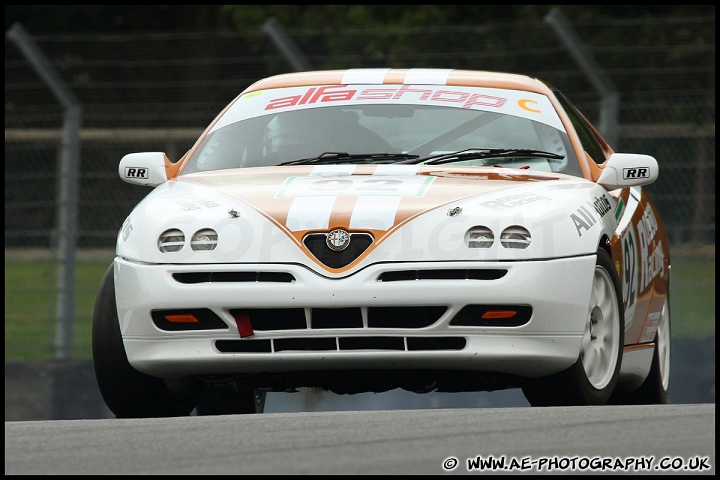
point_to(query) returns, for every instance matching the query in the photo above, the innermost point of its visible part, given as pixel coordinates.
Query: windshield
(385, 132)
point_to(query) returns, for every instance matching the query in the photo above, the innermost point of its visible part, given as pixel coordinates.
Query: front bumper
(548, 341)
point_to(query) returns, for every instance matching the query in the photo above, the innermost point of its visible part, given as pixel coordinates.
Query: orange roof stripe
(398, 76)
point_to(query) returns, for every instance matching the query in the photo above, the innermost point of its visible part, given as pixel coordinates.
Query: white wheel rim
(600, 344)
(663, 345)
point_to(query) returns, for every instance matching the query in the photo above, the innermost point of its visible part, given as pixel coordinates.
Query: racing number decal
(378, 199)
(630, 267)
(329, 185)
(381, 185)
(349, 187)
(400, 186)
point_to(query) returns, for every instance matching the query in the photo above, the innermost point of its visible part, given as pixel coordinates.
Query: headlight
(479, 237)
(515, 237)
(171, 240)
(205, 239)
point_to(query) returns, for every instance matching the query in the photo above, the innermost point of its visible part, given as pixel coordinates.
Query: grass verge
(31, 298)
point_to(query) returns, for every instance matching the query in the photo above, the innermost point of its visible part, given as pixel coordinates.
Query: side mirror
(147, 168)
(628, 170)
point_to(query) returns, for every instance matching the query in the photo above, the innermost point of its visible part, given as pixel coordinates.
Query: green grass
(692, 298)
(30, 302)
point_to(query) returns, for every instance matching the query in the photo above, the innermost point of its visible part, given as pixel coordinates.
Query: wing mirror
(628, 170)
(147, 168)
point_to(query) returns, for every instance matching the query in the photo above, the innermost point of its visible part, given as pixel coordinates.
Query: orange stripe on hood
(299, 200)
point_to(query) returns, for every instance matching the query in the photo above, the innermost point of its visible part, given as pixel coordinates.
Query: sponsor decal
(518, 103)
(601, 205)
(652, 255)
(513, 201)
(637, 172)
(137, 172)
(643, 260)
(588, 215)
(651, 327)
(335, 93)
(619, 209)
(525, 105)
(190, 202)
(127, 230)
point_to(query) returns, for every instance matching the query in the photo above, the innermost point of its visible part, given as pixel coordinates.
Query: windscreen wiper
(476, 153)
(344, 157)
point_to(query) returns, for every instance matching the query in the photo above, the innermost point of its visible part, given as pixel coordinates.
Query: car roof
(398, 76)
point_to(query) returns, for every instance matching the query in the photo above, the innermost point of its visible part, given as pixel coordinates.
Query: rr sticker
(137, 172)
(640, 172)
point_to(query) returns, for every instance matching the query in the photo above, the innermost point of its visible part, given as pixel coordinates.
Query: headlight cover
(479, 237)
(515, 237)
(171, 240)
(204, 240)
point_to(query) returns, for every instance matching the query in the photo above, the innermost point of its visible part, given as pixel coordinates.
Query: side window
(589, 142)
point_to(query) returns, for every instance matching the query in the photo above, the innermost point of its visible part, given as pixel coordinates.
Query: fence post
(286, 45)
(67, 196)
(610, 98)
(703, 177)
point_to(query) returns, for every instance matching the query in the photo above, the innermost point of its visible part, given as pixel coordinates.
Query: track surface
(421, 441)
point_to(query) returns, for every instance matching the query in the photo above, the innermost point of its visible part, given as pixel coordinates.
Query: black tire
(592, 379)
(230, 399)
(127, 392)
(654, 390)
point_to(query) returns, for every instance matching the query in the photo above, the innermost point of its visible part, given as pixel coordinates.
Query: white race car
(370, 229)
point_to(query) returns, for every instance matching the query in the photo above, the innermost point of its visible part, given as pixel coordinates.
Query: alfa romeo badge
(338, 239)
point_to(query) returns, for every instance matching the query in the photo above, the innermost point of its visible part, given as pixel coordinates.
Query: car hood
(409, 213)
(358, 196)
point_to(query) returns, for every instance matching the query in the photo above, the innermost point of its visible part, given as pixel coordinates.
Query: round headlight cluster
(205, 239)
(173, 240)
(479, 237)
(514, 236)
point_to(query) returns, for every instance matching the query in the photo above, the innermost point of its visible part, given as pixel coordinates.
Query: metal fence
(157, 92)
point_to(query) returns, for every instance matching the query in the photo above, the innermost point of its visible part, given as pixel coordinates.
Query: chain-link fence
(157, 92)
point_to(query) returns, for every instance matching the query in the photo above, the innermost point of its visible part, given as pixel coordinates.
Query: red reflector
(499, 314)
(181, 318)
(244, 325)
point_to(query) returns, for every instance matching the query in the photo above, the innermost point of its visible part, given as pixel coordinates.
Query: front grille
(333, 344)
(268, 319)
(444, 274)
(316, 244)
(404, 317)
(229, 277)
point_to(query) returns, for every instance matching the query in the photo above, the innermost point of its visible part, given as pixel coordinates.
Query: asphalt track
(674, 439)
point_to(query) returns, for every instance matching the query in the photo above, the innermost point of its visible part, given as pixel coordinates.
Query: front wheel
(127, 392)
(654, 390)
(592, 379)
